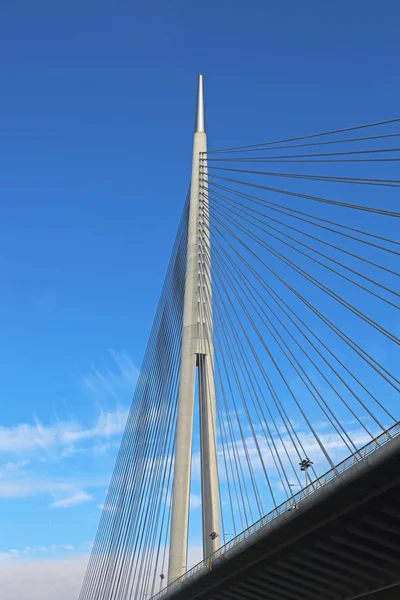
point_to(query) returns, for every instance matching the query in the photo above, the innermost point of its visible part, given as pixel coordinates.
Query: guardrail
(289, 504)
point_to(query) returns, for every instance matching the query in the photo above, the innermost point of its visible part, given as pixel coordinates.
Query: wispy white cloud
(119, 381)
(77, 498)
(29, 437)
(31, 485)
(44, 444)
(29, 450)
(112, 382)
(26, 484)
(35, 551)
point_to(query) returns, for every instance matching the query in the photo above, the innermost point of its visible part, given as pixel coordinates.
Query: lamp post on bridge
(197, 354)
(305, 464)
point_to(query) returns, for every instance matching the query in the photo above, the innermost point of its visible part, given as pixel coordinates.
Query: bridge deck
(342, 540)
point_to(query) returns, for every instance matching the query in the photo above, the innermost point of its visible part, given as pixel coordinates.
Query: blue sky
(96, 120)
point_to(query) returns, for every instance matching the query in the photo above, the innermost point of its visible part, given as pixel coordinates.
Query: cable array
(130, 552)
(304, 282)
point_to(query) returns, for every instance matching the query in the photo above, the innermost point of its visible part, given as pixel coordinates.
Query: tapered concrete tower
(197, 356)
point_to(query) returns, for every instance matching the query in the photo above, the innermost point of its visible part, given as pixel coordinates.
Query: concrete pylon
(197, 351)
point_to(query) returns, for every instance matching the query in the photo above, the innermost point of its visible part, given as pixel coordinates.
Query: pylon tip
(200, 125)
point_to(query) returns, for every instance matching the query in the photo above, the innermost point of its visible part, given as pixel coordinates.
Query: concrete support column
(194, 349)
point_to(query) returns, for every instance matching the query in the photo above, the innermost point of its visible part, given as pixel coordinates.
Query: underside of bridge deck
(343, 542)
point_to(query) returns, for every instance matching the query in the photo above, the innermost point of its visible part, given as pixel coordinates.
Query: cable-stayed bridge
(261, 456)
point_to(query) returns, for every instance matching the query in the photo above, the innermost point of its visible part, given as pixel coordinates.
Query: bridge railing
(289, 504)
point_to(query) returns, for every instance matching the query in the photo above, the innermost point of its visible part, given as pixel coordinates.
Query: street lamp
(305, 464)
